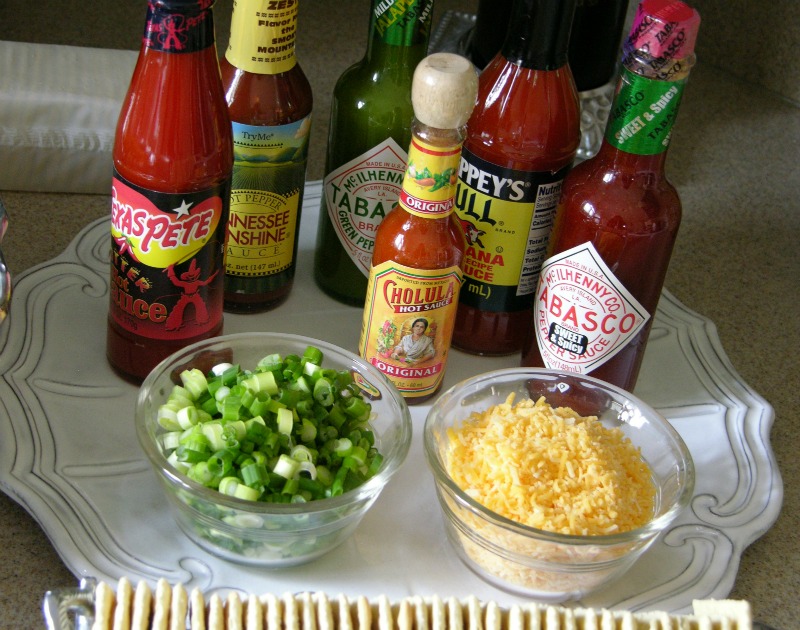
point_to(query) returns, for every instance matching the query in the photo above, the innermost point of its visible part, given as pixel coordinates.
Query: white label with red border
(583, 315)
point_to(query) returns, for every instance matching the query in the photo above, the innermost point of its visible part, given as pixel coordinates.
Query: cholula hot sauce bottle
(173, 156)
(415, 276)
(619, 215)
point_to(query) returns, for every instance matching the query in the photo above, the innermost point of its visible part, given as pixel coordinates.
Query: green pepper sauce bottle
(370, 129)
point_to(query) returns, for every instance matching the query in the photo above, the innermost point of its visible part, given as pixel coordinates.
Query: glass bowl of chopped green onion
(270, 447)
(553, 484)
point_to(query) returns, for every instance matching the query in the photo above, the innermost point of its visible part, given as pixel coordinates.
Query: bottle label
(583, 315)
(507, 217)
(179, 27)
(408, 324)
(166, 260)
(268, 177)
(263, 36)
(643, 113)
(430, 179)
(360, 193)
(402, 22)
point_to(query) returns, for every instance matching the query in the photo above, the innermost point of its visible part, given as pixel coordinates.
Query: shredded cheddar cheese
(551, 469)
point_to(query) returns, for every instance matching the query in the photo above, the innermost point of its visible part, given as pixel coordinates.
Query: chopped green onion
(262, 382)
(308, 431)
(195, 382)
(247, 493)
(221, 368)
(285, 421)
(342, 447)
(307, 467)
(301, 453)
(286, 466)
(289, 431)
(313, 355)
(323, 392)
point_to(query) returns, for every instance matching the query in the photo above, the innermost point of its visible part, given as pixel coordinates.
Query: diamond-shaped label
(583, 315)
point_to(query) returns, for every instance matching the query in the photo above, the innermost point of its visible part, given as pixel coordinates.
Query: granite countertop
(734, 160)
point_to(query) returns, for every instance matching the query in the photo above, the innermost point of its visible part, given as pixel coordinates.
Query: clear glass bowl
(527, 561)
(258, 533)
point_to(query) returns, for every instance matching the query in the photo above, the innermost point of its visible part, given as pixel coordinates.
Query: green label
(402, 22)
(268, 177)
(643, 113)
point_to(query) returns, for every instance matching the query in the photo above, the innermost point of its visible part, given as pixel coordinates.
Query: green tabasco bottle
(370, 130)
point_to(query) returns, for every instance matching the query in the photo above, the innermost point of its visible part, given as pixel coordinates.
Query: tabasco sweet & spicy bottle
(270, 102)
(173, 156)
(416, 276)
(619, 215)
(521, 141)
(370, 128)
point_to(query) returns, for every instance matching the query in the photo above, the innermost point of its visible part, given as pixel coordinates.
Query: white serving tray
(69, 454)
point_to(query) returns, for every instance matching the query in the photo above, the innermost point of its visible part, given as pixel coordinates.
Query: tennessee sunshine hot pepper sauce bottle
(270, 102)
(619, 215)
(173, 156)
(521, 141)
(415, 276)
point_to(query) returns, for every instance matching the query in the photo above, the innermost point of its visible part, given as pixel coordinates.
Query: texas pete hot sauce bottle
(415, 276)
(619, 215)
(173, 157)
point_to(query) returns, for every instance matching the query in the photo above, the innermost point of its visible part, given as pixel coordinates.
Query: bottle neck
(429, 184)
(538, 33)
(262, 37)
(399, 32)
(179, 27)
(644, 110)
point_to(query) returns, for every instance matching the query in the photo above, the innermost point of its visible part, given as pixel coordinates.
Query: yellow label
(429, 184)
(409, 316)
(263, 34)
(261, 233)
(507, 216)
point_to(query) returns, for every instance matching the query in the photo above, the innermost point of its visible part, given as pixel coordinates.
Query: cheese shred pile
(551, 469)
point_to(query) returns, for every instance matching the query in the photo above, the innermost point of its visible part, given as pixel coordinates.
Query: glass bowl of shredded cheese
(553, 484)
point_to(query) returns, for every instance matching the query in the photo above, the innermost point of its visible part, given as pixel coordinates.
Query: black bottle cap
(538, 33)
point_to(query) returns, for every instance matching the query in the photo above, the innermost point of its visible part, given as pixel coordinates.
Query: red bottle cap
(664, 29)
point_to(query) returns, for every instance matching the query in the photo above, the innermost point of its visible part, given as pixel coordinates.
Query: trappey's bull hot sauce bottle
(521, 141)
(270, 102)
(619, 215)
(173, 157)
(415, 276)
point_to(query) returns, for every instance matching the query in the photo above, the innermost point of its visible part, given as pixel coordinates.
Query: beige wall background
(754, 40)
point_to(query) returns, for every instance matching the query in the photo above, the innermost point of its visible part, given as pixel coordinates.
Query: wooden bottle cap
(444, 90)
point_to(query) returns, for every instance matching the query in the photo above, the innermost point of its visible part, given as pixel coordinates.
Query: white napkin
(58, 112)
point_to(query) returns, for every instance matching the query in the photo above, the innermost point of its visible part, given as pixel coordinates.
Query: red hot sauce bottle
(521, 140)
(619, 215)
(415, 276)
(270, 102)
(173, 156)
